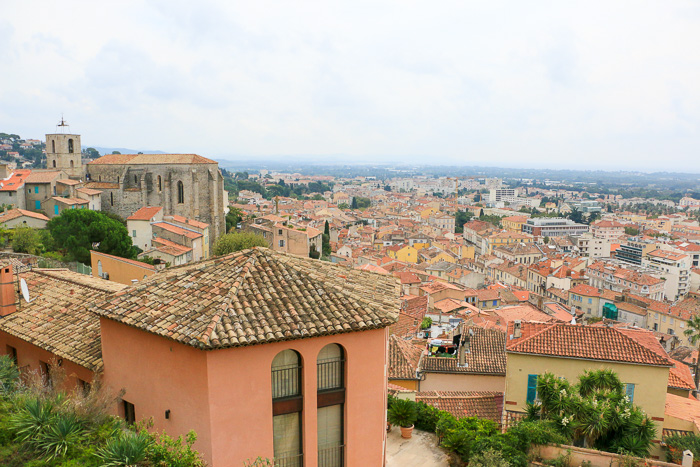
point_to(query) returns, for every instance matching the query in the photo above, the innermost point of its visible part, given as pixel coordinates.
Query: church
(186, 185)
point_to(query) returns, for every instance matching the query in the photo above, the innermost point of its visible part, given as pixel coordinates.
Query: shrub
(31, 420)
(489, 458)
(403, 413)
(427, 417)
(9, 374)
(128, 448)
(64, 432)
(165, 451)
(679, 443)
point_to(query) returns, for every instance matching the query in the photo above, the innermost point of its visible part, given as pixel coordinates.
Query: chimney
(7, 291)
(516, 329)
(4, 171)
(463, 352)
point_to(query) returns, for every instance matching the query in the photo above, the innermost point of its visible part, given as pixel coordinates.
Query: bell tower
(63, 151)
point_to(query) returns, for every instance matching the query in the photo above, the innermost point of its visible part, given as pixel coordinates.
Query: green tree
(237, 241)
(631, 231)
(91, 153)
(78, 231)
(461, 218)
(353, 205)
(692, 332)
(546, 240)
(326, 241)
(576, 216)
(26, 240)
(343, 206)
(233, 217)
(116, 152)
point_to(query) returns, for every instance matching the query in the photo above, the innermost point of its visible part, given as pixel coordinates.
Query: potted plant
(404, 414)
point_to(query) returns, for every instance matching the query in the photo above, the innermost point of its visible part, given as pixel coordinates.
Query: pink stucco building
(261, 353)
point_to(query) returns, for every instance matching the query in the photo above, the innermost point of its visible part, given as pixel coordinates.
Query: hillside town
(460, 295)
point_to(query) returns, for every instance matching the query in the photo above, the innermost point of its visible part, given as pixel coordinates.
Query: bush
(403, 413)
(128, 448)
(231, 242)
(9, 375)
(679, 443)
(427, 417)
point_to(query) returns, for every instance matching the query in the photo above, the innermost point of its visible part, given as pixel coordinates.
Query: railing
(512, 417)
(289, 460)
(331, 456)
(330, 374)
(286, 381)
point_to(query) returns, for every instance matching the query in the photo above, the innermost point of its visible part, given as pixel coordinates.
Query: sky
(586, 84)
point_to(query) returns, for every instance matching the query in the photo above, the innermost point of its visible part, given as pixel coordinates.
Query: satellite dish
(25, 290)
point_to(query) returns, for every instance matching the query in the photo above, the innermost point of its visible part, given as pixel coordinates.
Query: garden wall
(596, 458)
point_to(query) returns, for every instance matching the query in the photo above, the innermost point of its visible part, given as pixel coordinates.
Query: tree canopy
(80, 230)
(237, 241)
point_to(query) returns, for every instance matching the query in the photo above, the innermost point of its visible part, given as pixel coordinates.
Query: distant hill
(104, 151)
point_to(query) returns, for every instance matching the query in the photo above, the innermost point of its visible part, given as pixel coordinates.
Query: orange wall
(225, 395)
(119, 270)
(29, 355)
(158, 375)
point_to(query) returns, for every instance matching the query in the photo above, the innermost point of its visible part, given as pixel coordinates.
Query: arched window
(117, 179)
(111, 199)
(71, 164)
(287, 408)
(70, 145)
(136, 179)
(99, 268)
(53, 146)
(330, 373)
(160, 184)
(180, 193)
(54, 163)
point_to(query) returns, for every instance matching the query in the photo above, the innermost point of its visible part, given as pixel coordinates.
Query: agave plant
(32, 419)
(64, 432)
(127, 449)
(403, 413)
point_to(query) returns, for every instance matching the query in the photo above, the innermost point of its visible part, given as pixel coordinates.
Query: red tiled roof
(146, 213)
(140, 159)
(177, 230)
(584, 342)
(41, 177)
(167, 243)
(680, 377)
(485, 354)
(403, 358)
(15, 213)
(487, 405)
(15, 180)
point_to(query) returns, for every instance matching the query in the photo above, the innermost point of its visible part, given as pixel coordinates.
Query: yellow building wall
(442, 257)
(119, 269)
(512, 226)
(649, 391)
(425, 213)
(407, 254)
(410, 384)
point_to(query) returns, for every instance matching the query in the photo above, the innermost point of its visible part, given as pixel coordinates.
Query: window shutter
(629, 390)
(531, 388)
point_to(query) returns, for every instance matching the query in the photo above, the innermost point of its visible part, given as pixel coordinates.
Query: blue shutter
(531, 388)
(629, 390)
(36, 189)
(37, 204)
(55, 209)
(495, 302)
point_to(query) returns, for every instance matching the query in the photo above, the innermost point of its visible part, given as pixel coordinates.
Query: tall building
(186, 185)
(63, 151)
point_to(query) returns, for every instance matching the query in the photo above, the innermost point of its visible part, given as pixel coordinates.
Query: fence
(23, 261)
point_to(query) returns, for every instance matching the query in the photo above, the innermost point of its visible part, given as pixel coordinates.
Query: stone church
(185, 185)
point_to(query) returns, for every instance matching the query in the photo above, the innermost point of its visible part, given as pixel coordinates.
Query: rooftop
(253, 297)
(146, 213)
(148, 159)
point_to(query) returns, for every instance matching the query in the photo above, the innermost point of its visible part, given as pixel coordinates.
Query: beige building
(22, 218)
(117, 269)
(283, 237)
(139, 225)
(634, 355)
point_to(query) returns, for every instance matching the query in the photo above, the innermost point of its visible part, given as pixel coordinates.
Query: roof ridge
(551, 325)
(639, 344)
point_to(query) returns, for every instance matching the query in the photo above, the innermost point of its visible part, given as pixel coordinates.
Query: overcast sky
(588, 84)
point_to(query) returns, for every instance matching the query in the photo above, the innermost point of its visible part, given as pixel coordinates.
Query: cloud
(523, 84)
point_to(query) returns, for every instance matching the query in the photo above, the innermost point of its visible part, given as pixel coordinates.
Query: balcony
(331, 456)
(291, 459)
(330, 374)
(286, 382)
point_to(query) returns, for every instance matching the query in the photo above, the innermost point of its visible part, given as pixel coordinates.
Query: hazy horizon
(596, 85)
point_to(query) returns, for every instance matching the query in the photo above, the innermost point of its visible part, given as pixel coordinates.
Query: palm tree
(693, 335)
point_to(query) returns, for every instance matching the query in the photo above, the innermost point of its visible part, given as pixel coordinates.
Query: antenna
(25, 290)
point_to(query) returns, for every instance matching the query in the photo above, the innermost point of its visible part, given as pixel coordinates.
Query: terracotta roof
(88, 191)
(680, 377)
(42, 177)
(488, 405)
(15, 180)
(403, 358)
(586, 290)
(584, 342)
(103, 185)
(407, 277)
(146, 213)
(68, 181)
(57, 319)
(178, 249)
(15, 213)
(525, 313)
(141, 159)
(70, 201)
(684, 408)
(177, 230)
(185, 220)
(485, 354)
(254, 297)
